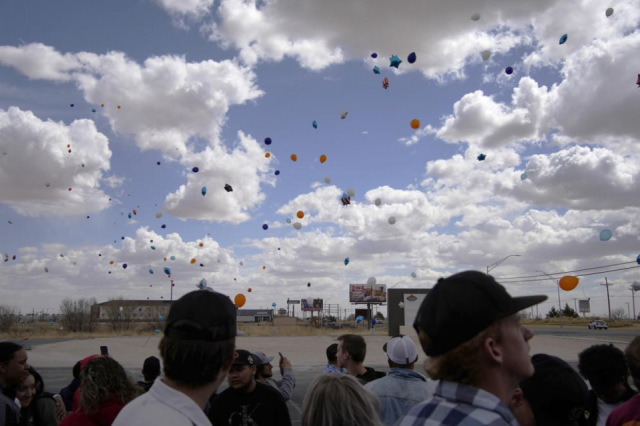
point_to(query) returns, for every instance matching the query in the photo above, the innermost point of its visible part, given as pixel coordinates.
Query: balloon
(241, 263)
(412, 57)
(481, 157)
(523, 176)
(395, 61)
(378, 202)
(323, 158)
(124, 266)
(151, 271)
(346, 261)
(608, 13)
(119, 107)
(163, 226)
(373, 55)
(327, 179)
(371, 281)
(277, 172)
(300, 214)
(158, 215)
(288, 220)
(294, 158)
(228, 187)
(475, 17)
(129, 215)
(310, 301)
(376, 70)
(249, 290)
(264, 267)
(267, 155)
(638, 259)
(204, 191)
(568, 283)
(392, 220)
(486, 55)
(414, 275)
(351, 192)
(167, 271)
(297, 225)
(415, 123)
(153, 247)
(563, 39)
(315, 124)
(173, 258)
(239, 300)
(193, 261)
(509, 70)
(201, 244)
(308, 284)
(46, 269)
(605, 235)
(343, 115)
(72, 105)
(157, 330)
(385, 83)
(267, 141)
(265, 226)
(373, 321)
(93, 110)
(202, 284)
(195, 170)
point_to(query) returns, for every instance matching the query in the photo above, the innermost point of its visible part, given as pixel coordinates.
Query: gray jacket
(286, 385)
(9, 411)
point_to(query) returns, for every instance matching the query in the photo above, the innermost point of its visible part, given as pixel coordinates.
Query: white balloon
(121, 309)
(310, 301)
(371, 281)
(378, 202)
(351, 192)
(609, 12)
(413, 275)
(486, 55)
(297, 225)
(158, 215)
(327, 179)
(392, 220)
(401, 304)
(475, 17)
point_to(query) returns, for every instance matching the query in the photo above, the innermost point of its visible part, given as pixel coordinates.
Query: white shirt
(604, 410)
(160, 406)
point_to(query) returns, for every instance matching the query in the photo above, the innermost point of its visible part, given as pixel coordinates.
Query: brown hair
(103, 379)
(355, 346)
(632, 354)
(462, 364)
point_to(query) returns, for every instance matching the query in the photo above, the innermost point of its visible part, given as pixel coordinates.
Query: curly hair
(603, 365)
(104, 379)
(462, 364)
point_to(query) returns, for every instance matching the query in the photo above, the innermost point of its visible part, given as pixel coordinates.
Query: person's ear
(517, 398)
(493, 350)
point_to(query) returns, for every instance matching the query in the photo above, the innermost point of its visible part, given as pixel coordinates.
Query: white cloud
(39, 62)
(244, 168)
(191, 8)
(37, 155)
(413, 139)
(114, 181)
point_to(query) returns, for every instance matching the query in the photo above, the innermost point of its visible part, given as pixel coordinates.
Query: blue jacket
(398, 392)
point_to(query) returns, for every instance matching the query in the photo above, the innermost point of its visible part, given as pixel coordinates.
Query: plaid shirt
(454, 404)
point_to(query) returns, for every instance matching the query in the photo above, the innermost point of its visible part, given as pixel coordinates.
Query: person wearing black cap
(554, 396)
(247, 402)
(469, 328)
(150, 372)
(197, 350)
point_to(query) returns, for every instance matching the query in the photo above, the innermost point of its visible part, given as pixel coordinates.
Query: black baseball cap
(202, 315)
(459, 307)
(151, 365)
(557, 394)
(244, 358)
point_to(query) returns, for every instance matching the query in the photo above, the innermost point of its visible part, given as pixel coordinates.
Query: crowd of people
(477, 362)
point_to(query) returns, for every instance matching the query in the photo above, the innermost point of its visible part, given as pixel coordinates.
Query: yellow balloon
(239, 300)
(569, 282)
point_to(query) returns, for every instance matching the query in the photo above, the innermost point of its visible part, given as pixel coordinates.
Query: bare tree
(121, 316)
(154, 318)
(618, 314)
(8, 318)
(75, 315)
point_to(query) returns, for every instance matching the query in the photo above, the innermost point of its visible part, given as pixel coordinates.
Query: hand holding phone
(104, 351)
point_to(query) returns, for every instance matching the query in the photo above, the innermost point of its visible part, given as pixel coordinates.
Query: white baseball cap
(262, 358)
(401, 350)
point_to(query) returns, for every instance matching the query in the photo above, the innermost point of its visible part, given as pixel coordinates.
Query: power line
(577, 275)
(565, 272)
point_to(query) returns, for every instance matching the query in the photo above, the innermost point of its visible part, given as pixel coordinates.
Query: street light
(496, 264)
(559, 304)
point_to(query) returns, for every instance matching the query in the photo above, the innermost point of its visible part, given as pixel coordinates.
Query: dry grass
(577, 322)
(301, 330)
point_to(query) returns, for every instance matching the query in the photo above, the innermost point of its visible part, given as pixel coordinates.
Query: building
(138, 310)
(402, 308)
(255, 315)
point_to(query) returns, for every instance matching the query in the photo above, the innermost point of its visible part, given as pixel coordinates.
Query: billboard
(315, 306)
(583, 306)
(365, 293)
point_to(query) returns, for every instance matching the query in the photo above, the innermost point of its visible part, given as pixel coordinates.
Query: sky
(178, 84)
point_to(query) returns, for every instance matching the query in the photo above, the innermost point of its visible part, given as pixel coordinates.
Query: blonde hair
(463, 364)
(339, 399)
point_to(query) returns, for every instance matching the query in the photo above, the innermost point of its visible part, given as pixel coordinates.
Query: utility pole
(633, 299)
(628, 310)
(606, 284)
(575, 304)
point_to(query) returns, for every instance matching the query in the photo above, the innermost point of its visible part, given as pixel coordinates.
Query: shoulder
(145, 410)
(269, 391)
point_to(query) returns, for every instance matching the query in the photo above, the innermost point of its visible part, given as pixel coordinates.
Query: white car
(597, 324)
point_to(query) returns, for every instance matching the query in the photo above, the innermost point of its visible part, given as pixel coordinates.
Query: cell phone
(104, 351)
(281, 369)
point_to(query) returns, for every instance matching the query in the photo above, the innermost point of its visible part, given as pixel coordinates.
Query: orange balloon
(165, 259)
(569, 282)
(300, 214)
(415, 123)
(201, 245)
(135, 212)
(193, 261)
(264, 267)
(267, 155)
(119, 107)
(323, 158)
(294, 157)
(111, 263)
(249, 289)
(239, 300)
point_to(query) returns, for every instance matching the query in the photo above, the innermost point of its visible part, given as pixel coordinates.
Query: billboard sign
(583, 306)
(316, 305)
(365, 293)
(293, 302)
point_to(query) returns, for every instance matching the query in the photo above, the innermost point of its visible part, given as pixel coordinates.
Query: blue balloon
(195, 170)
(267, 141)
(412, 57)
(93, 110)
(173, 258)
(605, 235)
(157, 330)
(523, 176)
(265, 226)
(273, 304)
(163, 226)
(481, 157)
(72, 105)
(346, 261)
(395, 61)
(204, 191)
(124, 266)
(153, 247)
(158, 163)
(376, 70)
(288, 220)
(167, 271)
(638, 259)
(160, 318)
(314, 124)
(277, 172)
(151, 271)
(129, 215)
(373, 321)
(122, 238)
(563, 39)
(374, 55)
(509, 70)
